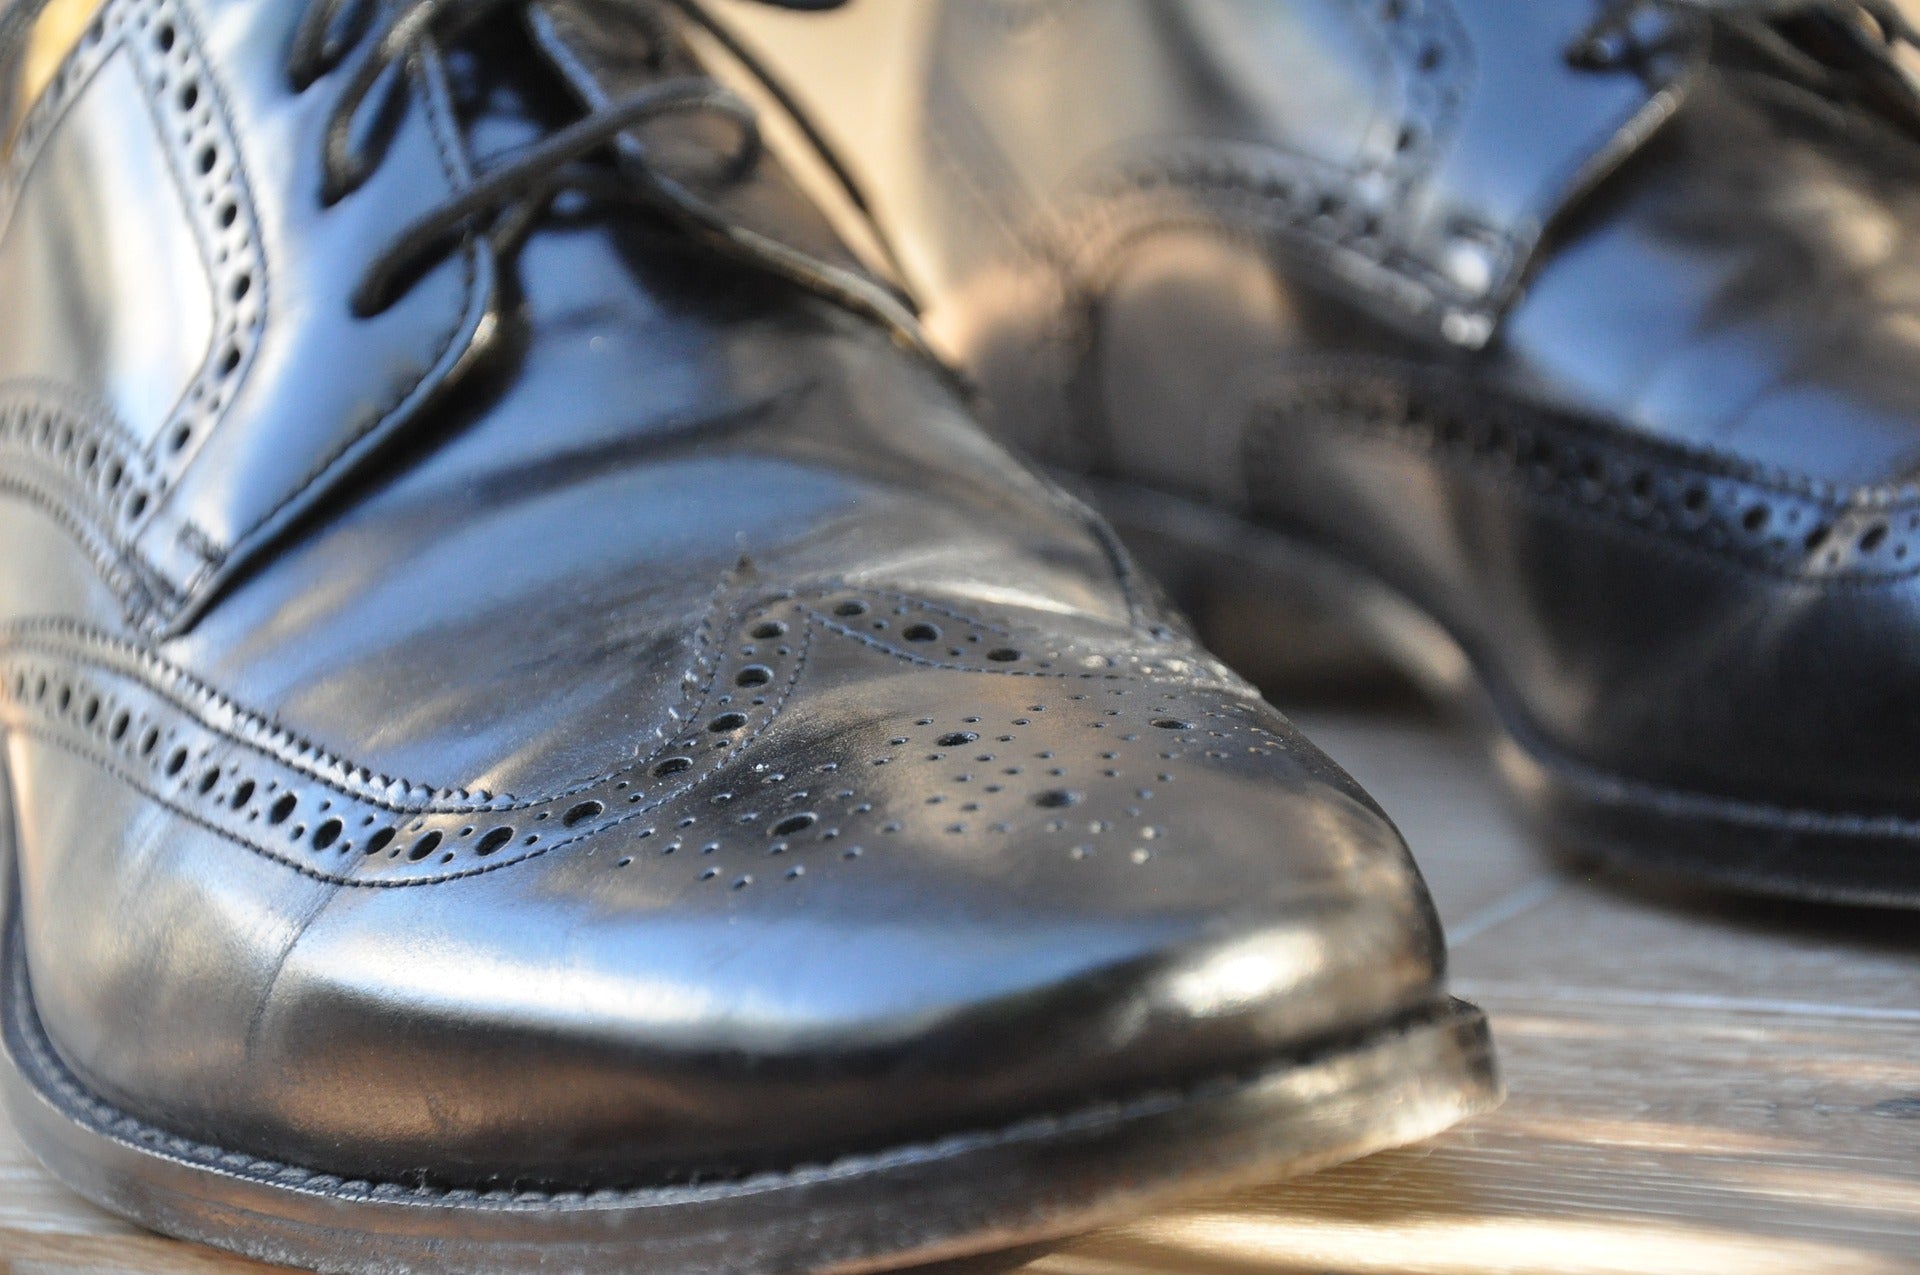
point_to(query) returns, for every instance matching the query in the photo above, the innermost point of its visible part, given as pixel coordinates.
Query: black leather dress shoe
(1559, 350)
(538, 734)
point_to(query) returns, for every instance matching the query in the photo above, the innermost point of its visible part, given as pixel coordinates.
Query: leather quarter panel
(140, 325)
(152, 468)
(36, 36)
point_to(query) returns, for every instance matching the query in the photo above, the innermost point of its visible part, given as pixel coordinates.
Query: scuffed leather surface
(687, 746)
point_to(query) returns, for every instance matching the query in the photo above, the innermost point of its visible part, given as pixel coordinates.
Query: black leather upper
(1597, 342)
(607, 714)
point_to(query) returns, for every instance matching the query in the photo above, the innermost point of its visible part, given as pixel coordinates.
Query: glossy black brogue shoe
(540, 736)
(1562, 351)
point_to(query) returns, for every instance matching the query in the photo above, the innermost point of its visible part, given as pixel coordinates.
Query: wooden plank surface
(1697, 1085)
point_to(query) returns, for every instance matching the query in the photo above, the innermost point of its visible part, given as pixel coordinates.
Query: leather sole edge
(1035, 1180)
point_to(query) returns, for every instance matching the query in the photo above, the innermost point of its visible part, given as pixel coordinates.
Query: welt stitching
(111, 1122)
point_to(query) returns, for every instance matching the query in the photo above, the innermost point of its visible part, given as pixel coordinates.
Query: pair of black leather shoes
(539, 735)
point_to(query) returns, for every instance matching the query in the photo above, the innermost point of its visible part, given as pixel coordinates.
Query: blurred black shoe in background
(1566, 354)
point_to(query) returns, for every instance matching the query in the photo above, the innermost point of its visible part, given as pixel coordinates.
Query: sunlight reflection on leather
(56, 29)
(1233, 1241)
(1233, 978)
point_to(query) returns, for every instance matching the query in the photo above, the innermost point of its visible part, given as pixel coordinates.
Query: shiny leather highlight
(194, 499)
(1657, 485)
(630, 731)
(47, 36)
(65, 233)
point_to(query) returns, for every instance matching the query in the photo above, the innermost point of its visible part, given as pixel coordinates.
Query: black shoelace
(1610, 39)
(507, 199)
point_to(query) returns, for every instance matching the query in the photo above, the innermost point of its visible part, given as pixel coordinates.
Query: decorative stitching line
(234, 775)
(1692, 500)
(1137, 666)
(230, 242)
(262, 805)
(409, 397)
(109, 564)
(163, 53)
(1360, 209)
(23, 1028)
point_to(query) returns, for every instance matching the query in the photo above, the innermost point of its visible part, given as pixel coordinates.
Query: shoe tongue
(604, 54)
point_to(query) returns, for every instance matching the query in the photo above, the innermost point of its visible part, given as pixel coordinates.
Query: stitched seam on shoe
(341, 879)
(108, 1120)
(1672, 547)
(1387, 378)
(252, 805)
(234, 801)
(227, 329)
(924, 661)
(135, 583)
(402, 402)
(112, 567)
(439, 800)
(1420, 433)
(261, 735)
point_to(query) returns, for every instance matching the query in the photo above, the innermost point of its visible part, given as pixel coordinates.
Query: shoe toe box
(929, 894)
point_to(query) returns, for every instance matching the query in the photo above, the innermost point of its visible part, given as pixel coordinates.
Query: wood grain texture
(1698, 1086)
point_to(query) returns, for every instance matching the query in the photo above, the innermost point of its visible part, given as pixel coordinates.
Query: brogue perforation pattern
(1435, 61)
(158, 40)
(1074, 774)
(234, 773)
(1712, 505)
(325, 828)
(72, 443)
